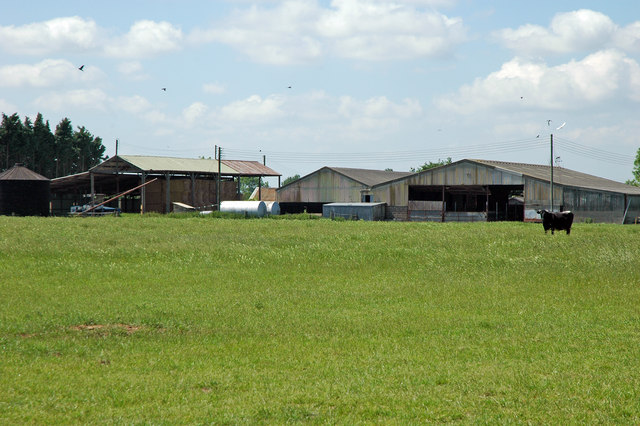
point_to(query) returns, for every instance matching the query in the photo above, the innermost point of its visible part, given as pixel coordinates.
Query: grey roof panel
(562, 176)
(370, 177)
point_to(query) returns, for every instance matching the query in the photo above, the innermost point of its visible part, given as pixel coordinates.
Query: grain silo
(23, 192)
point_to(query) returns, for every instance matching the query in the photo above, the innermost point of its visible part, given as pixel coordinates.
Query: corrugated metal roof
(143, 163)
(250, 168)
(369, 177)
(19, 172)
(562, 176)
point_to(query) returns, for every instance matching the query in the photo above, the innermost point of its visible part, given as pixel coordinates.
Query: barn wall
(633, 209)
(594, 205)
(323, 186)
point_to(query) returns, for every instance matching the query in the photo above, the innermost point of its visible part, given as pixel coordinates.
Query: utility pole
(118, 177)
(551, 186)
(219, 171)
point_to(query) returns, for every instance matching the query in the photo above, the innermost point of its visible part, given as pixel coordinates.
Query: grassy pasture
(195, 320)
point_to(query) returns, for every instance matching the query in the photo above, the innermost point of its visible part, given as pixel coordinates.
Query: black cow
(556, 220)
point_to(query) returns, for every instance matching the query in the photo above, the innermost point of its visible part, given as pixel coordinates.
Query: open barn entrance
(466, 203)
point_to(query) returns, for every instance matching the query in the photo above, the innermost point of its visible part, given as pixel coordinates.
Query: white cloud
(194, 112)
(578, 31)
(56, 35)
(47, 73)
(133, 104)
(213, 88)
(7, 107)
(380, 30)
(602, 76)
(146, 38)
(298, 31)
(94, 99)
(253, 109)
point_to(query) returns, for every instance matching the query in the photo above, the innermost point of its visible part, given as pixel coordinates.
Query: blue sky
(350, 83)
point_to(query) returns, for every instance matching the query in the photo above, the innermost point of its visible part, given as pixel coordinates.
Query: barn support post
(193, 189)
(443, 208)
(487, 202)
(143, 194)
(167, 202)
(93, 188)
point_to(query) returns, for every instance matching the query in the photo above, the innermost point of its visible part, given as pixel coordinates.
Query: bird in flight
(81, 67)
(562, 125)
(548, 122)
(288, 87)
(164, 89)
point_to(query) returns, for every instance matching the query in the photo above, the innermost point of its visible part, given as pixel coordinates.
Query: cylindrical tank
(273, 208)
(248, 208)
(23, 192)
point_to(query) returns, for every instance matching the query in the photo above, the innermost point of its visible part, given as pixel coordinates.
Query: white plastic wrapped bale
(273, 208)
(247, 208)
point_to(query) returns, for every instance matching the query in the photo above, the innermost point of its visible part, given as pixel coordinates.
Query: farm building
(194, 182)
(332, 184)
(23, 192)
(472, 190)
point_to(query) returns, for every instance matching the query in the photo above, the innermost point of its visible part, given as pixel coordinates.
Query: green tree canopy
(50, 154)
(290, 179)
(431, 165)
(636, 171)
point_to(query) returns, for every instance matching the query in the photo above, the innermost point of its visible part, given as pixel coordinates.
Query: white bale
(273, 208)
(248, 208)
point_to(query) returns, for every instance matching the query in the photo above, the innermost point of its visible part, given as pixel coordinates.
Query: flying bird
(549, 122)
(81, 67)
(288, 87)
(164, 89)
(561, 126)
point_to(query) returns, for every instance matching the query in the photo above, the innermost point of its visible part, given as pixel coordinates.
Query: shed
(332, 185)
(24, 192)
(192, 181)
(354, 211)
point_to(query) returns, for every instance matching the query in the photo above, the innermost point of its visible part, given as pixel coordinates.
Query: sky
(303, 84)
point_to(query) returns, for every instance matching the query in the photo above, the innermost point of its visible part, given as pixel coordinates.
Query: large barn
(191, 181)
(470, 190)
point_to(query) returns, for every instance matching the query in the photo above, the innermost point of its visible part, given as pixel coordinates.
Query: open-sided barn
(192, 181)
(473, 190)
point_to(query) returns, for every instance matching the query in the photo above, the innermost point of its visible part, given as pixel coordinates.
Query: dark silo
(23, 192)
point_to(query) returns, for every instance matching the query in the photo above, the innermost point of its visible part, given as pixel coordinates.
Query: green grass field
(197, 320)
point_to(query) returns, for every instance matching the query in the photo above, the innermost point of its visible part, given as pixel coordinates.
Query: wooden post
(167, 202)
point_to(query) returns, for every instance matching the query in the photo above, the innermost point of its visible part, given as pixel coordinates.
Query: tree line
(51, 154)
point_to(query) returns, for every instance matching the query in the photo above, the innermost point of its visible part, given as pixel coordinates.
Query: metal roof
(369, 177)
(561, 176)
(151, 164)
(19, 172)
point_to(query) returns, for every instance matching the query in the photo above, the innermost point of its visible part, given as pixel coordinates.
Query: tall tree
(65, 150)
(44, 143)
(12, 140)
(89, 150)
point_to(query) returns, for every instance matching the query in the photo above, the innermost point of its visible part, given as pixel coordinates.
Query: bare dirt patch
(130, 329)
